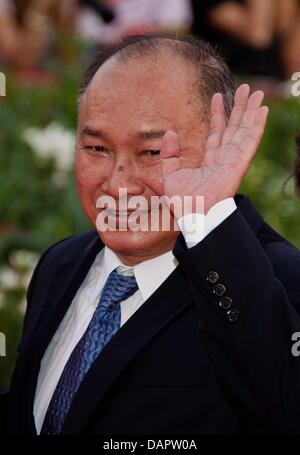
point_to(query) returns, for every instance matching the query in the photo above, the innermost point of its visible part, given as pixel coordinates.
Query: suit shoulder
(65, 248)
(53, 257)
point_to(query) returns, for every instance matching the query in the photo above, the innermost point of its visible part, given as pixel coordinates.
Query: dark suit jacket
(179, 365)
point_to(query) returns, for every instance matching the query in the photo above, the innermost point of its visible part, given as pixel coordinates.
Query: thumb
(170, 153)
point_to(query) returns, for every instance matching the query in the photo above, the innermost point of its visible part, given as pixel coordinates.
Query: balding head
(209, 73)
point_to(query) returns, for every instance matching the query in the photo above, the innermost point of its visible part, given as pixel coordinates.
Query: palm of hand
(228, 154)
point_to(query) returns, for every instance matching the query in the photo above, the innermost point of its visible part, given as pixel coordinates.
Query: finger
(250, 144)
(248, 118)
(217, 122)
(240, 104)
(170, 153)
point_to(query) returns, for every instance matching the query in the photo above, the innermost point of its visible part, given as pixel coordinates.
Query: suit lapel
(66, 282)
(149, 319)
(52, 303)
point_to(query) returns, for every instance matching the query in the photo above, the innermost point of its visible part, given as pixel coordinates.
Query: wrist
(188, 205)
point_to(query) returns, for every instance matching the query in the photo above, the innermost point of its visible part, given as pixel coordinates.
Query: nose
(123, 174)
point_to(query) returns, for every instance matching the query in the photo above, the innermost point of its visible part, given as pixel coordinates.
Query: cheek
(153, 180)
(88, 172)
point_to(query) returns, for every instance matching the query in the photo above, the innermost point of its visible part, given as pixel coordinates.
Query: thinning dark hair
(212, 72)
(297, 165)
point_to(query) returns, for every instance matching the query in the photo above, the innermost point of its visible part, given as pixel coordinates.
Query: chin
(137, 243)
(125, 241)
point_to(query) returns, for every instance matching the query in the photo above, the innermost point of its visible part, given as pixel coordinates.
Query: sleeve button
(219, 289)
(212, 277)
(233, 315)
(225, 303)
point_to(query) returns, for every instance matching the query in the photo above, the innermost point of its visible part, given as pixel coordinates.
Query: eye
(151, 152)
(100, 149)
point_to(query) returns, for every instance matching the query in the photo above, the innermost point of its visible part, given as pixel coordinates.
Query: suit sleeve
(247, 319)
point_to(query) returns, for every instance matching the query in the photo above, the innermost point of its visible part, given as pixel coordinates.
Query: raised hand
(228, 154)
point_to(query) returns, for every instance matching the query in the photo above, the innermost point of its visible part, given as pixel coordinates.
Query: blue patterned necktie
(103, 325)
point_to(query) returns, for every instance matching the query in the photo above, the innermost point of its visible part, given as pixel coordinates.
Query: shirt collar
(149, 274)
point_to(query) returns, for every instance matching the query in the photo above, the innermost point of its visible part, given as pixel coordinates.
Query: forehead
(139, 90)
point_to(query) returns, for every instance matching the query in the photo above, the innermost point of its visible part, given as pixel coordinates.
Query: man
(152, 331)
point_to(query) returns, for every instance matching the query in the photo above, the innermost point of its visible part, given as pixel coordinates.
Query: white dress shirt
(149, 275)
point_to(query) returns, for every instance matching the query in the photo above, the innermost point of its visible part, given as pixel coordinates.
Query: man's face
(124, 113)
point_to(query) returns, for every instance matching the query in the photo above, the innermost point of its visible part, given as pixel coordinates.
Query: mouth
(125, 213)
(113, 212)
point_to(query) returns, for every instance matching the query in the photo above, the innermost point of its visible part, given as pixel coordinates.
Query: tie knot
(116, 289)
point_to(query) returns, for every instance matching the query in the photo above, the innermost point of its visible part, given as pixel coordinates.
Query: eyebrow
(88, 131)
(150, 134)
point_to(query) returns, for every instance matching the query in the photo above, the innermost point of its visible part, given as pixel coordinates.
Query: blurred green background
(38, 200)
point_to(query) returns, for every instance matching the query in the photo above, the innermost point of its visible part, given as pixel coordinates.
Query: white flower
(54, 141)
(23, 259)
(9, 279)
